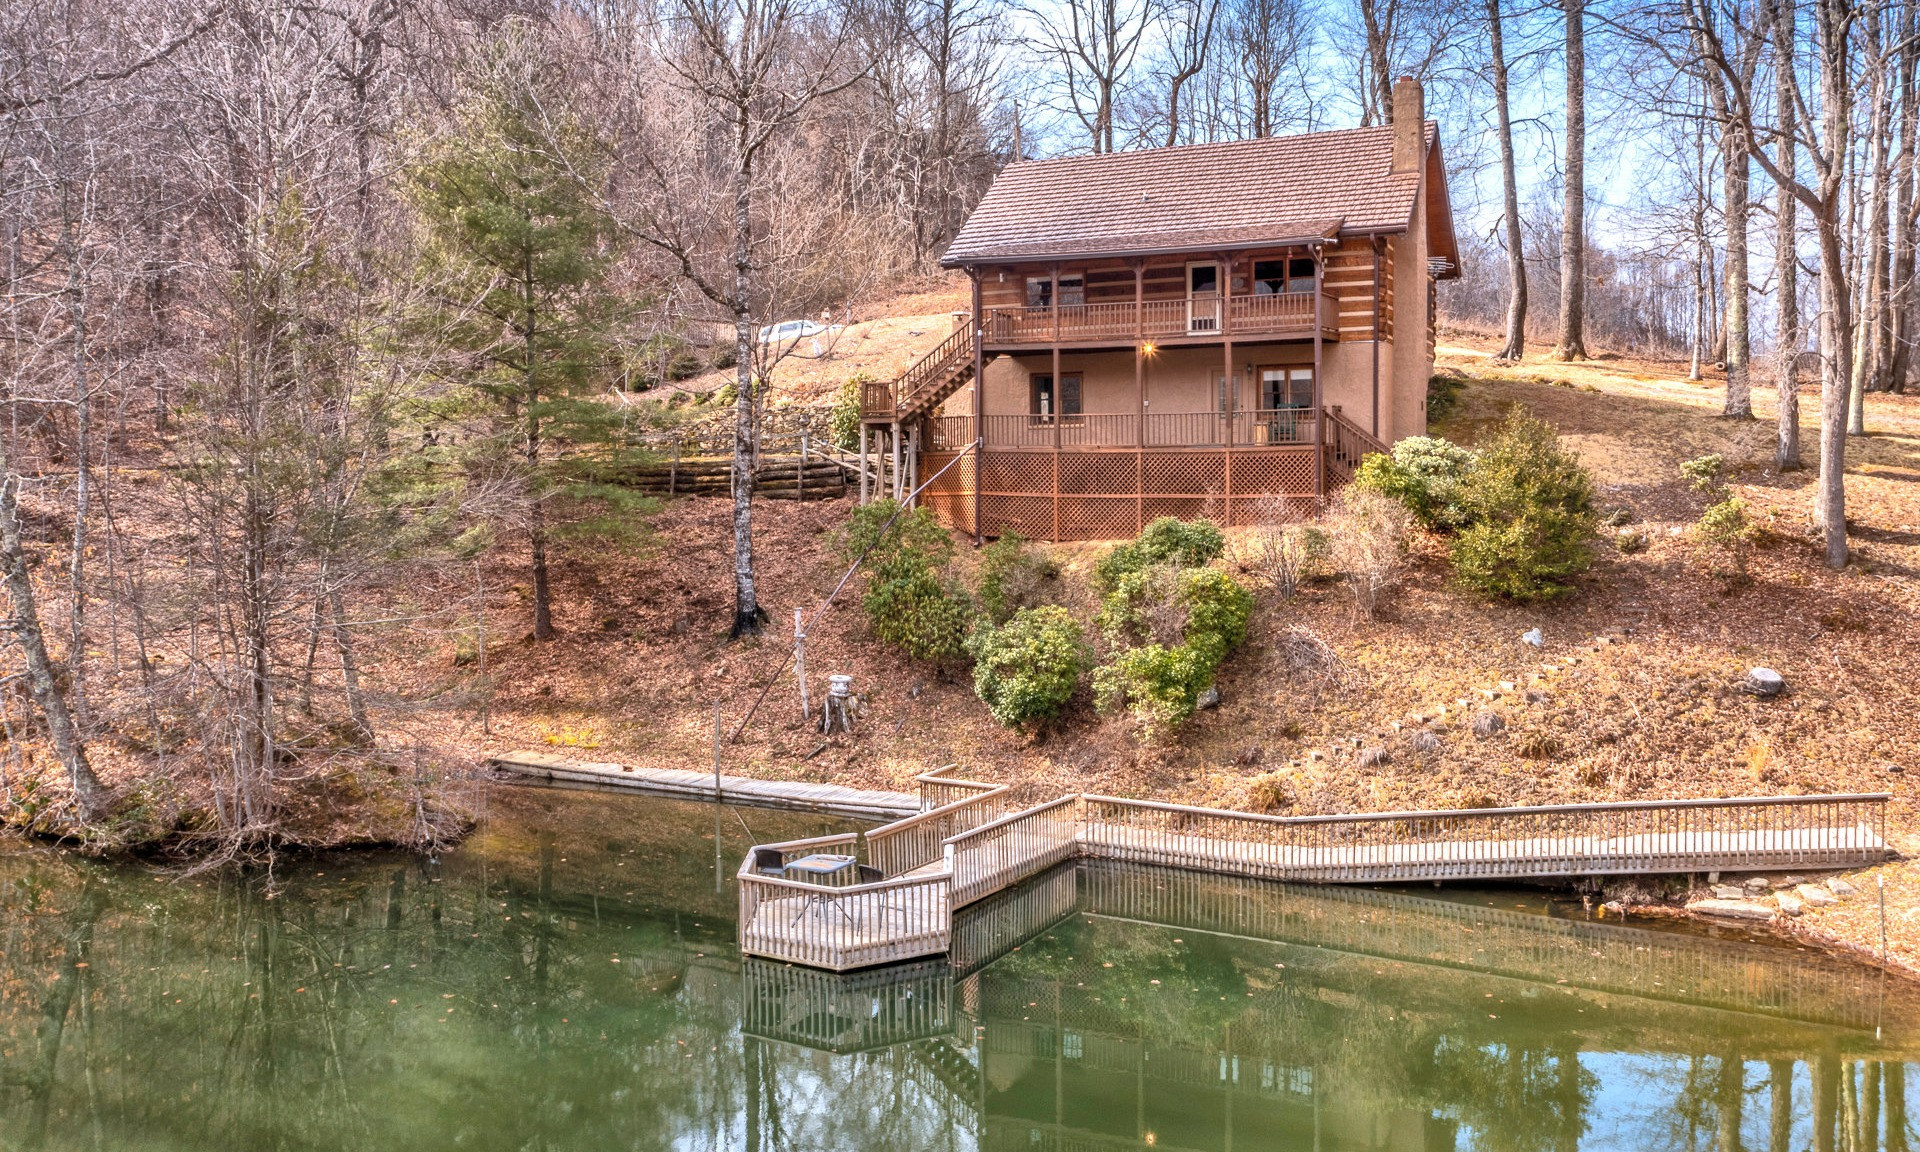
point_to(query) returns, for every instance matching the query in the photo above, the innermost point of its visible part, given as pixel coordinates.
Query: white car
(792, 330)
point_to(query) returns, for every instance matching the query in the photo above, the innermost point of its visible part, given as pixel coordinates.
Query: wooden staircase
(923, 387)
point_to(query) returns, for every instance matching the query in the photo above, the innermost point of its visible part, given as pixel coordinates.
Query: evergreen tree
(521, 249)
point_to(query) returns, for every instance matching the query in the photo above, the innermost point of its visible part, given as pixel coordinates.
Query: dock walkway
(833, 799)
(970, 841)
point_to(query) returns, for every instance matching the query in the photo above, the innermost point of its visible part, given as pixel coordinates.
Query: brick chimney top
(1409, 125)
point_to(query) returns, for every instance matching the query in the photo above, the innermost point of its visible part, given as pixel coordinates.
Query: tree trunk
(1836, 357)
(1573, 228)
(1786, 260)
(1729, 1097)
(1780, 1106)
(1736, 330)
(41, 682)
(747, 613)
(1516, 345)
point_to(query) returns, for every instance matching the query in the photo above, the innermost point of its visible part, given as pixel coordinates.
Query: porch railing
(1248, 429)
(1012, 848)
(1279, 314)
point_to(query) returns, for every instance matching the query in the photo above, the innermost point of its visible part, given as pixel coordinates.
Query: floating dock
(681, 784)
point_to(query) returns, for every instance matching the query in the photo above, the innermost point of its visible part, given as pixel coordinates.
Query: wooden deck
(833, 799)
(954, 854)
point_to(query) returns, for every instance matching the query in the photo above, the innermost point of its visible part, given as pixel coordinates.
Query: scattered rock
(1485, 724)
(1731, 909)
(1728, 892)
(1534, 637)
(1316, 754)
(913, 693)
(1506, 685)
(1424, 741)
(1208, 699)
(1373, 756)
(1489, 693)
(1764, 683)
(1535, 696)
(1787, 881)
(1790, 904)
(1758, 885)
(1839, 887)
(1816, 896)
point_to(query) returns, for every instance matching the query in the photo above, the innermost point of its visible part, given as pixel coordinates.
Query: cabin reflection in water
(1107, 1007)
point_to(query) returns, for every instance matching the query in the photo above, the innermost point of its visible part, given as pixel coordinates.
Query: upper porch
(1170, 322)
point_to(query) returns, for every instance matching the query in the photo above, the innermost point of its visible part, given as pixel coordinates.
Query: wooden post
(800, 663)
(1319, 396)
(1140, 350)
(1059, 392)
(979, 402)
(800, 477)
(863, 463)
(1229, 388)
(893, 439)
(673, 472)
(716, 749)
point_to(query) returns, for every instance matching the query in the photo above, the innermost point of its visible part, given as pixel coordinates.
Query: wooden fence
(1001, 854)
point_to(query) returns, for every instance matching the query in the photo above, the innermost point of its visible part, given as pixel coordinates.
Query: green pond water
(567, 979)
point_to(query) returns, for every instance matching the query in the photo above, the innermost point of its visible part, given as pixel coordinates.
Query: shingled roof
(1282, 189)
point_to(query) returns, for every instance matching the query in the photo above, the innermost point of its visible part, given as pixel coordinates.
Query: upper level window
(1073, 291)
(1271, 277)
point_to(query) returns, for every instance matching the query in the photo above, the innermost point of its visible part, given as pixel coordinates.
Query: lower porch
(986, 483)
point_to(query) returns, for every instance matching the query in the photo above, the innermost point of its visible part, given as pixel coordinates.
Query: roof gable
(1198, 196)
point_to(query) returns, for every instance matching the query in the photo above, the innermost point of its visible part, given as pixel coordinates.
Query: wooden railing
(917, 841)
(1246, 429)
(1556, 840)
(974, 844)
(918, 383)
(1280, 314)
(1347, 445)
(1012, 848)
(940, 786)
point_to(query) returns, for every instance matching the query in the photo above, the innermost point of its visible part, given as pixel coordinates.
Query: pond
(567, 980)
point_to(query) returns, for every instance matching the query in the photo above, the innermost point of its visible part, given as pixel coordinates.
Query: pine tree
(521, 250)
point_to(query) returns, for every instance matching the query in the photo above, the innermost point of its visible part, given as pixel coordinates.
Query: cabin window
(1226, 397)
(1043, 403)
(1286, 388)
(1073, 291)
(1203, 279)
(1272, 277)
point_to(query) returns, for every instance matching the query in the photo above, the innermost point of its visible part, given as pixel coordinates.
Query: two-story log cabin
(1205, 330)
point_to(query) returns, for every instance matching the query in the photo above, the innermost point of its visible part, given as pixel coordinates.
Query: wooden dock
(681, 784)
(969, 842)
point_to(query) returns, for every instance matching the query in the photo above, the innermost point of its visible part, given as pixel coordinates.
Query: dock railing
(974, 842)
(1012, 848)
(1554, 840)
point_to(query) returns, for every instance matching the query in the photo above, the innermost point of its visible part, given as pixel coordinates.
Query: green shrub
(845, 420)
(1425, 473)
(1443, 395)
(1726, 530)
(1190, 620)
(1012, 577)
(1026, 669)
(1182, 543)
(1706, 474)
(1529, 506)
(910, 601)
(919, 613)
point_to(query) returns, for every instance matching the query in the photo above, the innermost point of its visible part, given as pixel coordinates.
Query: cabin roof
(1200, 197)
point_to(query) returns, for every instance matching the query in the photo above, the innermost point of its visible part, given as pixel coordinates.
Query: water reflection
(568, 980)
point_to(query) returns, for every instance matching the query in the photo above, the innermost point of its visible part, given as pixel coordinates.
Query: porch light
(1146, 349)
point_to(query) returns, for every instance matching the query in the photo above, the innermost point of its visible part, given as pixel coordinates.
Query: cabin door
(1203, 297)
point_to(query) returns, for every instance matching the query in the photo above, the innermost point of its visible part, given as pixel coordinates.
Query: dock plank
(679, 783)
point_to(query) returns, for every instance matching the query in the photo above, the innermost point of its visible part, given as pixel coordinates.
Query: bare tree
(1788, 335)
(1516, 341)
(1092, 47)
(1749, 36)
(1573, 226)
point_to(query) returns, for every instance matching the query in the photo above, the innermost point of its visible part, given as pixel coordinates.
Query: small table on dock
(827, 871)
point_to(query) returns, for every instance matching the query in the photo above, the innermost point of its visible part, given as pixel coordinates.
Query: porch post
(1319, 397)
(1375, 336)
(1139, 350)
(1053, 301)
(1231, 394)
(1059, 393)
(894, 437)
(979, 403)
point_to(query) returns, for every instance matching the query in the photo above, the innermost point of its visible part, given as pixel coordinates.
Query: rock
(1790, 904)
(1373, 756)
(1731, 909)
(1764, 683)
(1816, 896)
(1424, 741)
(1728, 892)
(1506, 685)
(1485, 724)
(1535, 696)
(1489, 693)
(1787, 881)
(1534, 637)
(1208, 699)
(1758, 885)
(913, 693)
(1839, 887)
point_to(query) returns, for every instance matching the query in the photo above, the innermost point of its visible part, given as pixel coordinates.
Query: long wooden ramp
(970, 841)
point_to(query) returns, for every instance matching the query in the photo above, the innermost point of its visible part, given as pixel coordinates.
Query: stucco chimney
(1409, 125)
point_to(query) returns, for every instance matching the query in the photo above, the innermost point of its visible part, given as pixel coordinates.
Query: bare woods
(310, 305)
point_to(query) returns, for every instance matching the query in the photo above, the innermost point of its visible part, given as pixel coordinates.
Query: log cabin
(1215, 330)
